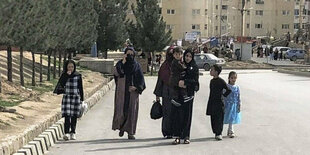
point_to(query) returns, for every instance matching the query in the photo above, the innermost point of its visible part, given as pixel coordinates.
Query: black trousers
(217, 122)
(70, 122)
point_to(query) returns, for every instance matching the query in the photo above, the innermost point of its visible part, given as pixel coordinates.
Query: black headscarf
(64, 76)
(129, 66)
(191, 63)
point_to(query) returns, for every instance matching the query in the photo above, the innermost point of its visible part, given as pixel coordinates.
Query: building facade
(209, 18)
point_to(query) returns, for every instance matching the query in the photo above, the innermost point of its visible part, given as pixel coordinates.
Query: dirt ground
(37, 105)
(245, 64)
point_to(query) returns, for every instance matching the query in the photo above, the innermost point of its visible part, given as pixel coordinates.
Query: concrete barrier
(50, 131)
(98, 65)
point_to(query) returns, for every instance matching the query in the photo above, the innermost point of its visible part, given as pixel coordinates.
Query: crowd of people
(177, 83)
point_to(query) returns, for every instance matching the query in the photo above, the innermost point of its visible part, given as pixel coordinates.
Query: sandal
(176, 141)
(187, 141)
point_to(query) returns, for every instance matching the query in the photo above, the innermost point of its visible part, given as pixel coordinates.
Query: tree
(111, 27)
(150, 26)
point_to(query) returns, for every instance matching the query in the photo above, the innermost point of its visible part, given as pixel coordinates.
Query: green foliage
(41, 25)
(111, 27)
(148, 32)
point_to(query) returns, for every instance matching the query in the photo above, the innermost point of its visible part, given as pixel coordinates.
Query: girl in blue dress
(232, 105)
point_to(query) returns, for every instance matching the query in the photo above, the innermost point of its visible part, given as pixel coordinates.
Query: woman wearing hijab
(71, 86)
(182, 115)
(163, 90)
(129, 81)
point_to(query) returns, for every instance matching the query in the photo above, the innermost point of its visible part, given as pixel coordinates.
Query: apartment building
(208, 18)
(301, 14)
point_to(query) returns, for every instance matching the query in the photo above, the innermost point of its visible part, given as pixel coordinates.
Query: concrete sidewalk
(278, 63)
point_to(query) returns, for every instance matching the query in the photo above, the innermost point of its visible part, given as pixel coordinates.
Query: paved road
(275, 120)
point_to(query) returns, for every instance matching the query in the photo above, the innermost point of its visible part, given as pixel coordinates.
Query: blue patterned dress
(231, 103)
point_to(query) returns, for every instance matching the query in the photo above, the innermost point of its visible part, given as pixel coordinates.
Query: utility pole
(242, 13)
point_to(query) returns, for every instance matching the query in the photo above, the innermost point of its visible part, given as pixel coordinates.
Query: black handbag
(59, 89)
(156, 111)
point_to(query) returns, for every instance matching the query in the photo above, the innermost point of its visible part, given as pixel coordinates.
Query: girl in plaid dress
(71, 82)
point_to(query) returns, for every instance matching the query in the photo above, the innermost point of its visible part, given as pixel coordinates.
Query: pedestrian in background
(130, 83)
(71, 86)
(164, 91)
(232, 104)
(215, 107)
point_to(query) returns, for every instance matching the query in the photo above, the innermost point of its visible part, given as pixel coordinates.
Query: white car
(283, 49)
(206, 60)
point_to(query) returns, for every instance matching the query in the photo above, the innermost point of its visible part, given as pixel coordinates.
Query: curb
(38, 139)
(306, 74)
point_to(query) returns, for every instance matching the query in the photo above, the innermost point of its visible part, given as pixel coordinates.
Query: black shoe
(131, 137)
(176, 141)
(168, 137)
(187, 141)
(121, 133)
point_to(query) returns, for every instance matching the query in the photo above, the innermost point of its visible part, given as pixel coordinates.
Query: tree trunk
(70, 55)
(21, 66)
(41, 74)
(106, 54)
(152, 63)
(59, 66)
(49, 66)
(9, 59)
(65, 56)
(0, 83)
(54, 70)
(33, 83)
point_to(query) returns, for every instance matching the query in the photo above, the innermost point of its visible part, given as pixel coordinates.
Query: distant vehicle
(283, 49)
(295, 54)
(206, 60)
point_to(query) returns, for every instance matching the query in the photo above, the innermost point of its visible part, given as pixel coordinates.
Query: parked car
(283, 49)
(206, 60)
(295, 54)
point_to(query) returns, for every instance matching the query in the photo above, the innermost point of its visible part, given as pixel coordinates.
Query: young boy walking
(215, 106)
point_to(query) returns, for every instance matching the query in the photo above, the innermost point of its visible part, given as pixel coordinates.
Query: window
(195, 26)
(285, 26)
(216, 7)
(248, 12)
(169, 27)
(170, 11)
(196, 12)
(285, 12)
(206, 26)
(224, 18)
(259, 1)
(296, 12)
(216, 28)
(296, 26)
(206, 12)
(259, 12)
(224, 7)
(160, 10)
(247, 26)
(258, 26)
(248, 1)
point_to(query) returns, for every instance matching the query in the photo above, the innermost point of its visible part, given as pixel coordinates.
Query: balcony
(259, 2)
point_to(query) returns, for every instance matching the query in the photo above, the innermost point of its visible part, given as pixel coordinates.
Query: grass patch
(46, 86)
(9, 103)
(149, 74)
(5, 123)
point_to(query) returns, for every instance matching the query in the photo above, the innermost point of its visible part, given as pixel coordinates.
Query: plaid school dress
(71, 101)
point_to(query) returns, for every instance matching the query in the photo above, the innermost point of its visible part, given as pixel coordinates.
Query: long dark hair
(230, 75)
